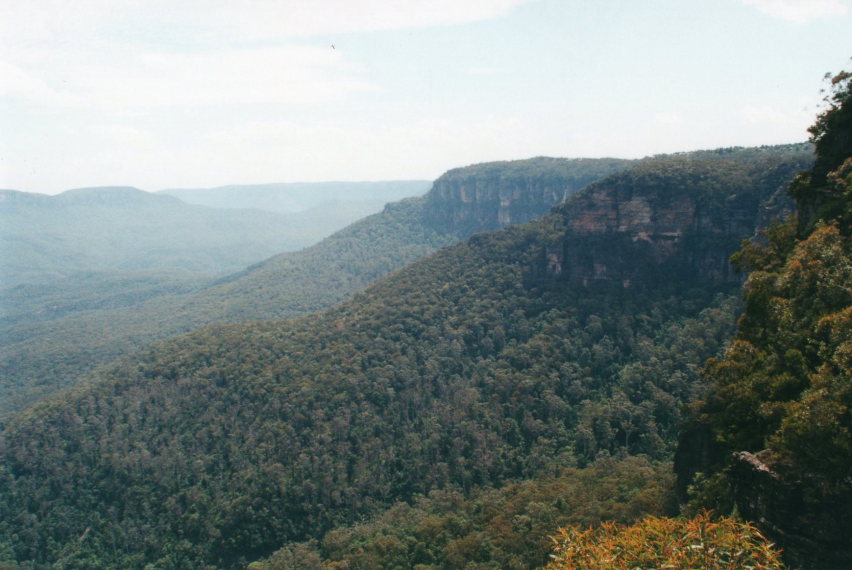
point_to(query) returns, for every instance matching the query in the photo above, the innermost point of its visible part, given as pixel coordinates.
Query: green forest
(573, 392)
(55, 334)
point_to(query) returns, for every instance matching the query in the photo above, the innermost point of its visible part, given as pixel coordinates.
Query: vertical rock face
(667, 219)
(493, 195)
(810, 533)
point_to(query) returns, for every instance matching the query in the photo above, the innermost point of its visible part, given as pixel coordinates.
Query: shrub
(665, 543)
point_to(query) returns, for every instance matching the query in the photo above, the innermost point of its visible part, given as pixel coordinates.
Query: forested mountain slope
(348, 261)
(772, 439)
(485, 362)
(68, 332)
(54, 334)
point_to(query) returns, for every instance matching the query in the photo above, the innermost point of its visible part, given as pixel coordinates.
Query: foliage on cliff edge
(778, 415)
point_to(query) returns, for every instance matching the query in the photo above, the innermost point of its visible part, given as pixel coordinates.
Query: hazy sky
(192, 93)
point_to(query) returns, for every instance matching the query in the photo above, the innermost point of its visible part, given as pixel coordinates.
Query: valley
(405, 285)
(55, 334)
(532, 353)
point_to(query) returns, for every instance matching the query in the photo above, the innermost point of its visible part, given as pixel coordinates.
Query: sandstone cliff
(675, 218)
(493, 195)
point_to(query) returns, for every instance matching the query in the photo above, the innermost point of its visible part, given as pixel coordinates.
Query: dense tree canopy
(506, 528)
(458, 373)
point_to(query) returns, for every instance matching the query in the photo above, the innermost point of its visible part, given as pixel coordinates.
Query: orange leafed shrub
(703, 542)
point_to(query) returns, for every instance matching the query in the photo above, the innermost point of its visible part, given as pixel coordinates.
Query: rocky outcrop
(787, 513)
(494, 195)
(669, 219)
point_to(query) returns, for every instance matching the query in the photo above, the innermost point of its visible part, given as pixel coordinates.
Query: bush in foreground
(666, 543)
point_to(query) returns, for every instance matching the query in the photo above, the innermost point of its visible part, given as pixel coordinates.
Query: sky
(165, 94)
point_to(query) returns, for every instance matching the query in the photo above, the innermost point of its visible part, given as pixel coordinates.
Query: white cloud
(220, 21)
(121, 81)
(296, 17)
(801, 11)
(121, 54)
(288, 74)
(16, 82)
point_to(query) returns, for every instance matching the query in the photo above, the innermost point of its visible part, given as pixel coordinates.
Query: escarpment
(494, 195)
(667, 220)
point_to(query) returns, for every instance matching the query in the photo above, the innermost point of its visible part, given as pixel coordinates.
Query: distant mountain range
(296, 197)
(120, 228)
